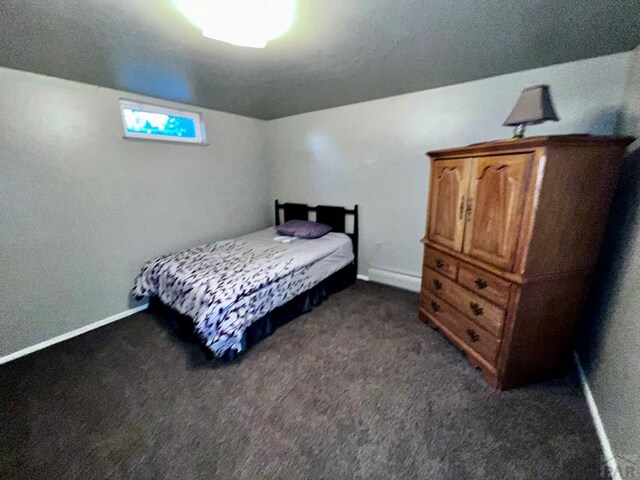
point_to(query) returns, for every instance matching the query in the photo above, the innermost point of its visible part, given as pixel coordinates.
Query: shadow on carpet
(358, 388)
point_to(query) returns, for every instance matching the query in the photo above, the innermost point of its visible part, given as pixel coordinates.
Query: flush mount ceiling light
(247, 23)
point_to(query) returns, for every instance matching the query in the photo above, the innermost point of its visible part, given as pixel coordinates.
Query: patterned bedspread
(225, 286)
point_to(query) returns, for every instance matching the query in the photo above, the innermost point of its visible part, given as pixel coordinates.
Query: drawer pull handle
(439, 263)
(476, 309)
(437, 283)
(435, 306)
(480, 283)
(473, 336)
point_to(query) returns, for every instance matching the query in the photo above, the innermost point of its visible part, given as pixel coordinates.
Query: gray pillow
(303, 229)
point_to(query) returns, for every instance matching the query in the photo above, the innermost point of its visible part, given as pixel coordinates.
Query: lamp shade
(534, 106)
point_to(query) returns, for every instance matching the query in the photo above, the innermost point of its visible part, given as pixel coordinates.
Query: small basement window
(151, 122)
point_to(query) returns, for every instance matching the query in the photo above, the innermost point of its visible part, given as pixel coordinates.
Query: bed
(236, 292)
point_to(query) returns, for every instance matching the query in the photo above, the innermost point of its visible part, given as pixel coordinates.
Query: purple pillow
(303, 229)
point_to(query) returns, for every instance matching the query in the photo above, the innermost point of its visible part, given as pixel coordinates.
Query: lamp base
(518, 132)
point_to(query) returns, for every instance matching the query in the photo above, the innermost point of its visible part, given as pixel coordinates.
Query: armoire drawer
(440, 262)
(484, 284)
(466, 331)
(473, 306)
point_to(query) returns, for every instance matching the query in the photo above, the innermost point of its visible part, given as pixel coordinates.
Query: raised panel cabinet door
(497, 190)
(449, 181)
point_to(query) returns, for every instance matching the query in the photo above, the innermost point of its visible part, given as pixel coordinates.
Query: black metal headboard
(333, 216)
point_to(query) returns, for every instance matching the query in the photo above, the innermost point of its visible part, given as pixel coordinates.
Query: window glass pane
(153, 122)
(138, 121)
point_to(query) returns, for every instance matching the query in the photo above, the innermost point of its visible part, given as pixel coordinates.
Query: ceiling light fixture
(246, 23)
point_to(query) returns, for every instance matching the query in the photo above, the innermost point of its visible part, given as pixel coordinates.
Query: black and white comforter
(225, 286)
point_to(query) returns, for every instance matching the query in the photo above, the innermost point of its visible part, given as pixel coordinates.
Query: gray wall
(81, 208)
(610, 338)
(373, 153)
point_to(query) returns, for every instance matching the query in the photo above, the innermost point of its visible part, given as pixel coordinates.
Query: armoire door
(449, 181)
(497, 190)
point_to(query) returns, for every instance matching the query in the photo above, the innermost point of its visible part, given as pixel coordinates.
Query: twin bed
(236, 292)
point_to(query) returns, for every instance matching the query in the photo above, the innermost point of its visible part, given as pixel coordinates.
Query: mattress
(225, 286)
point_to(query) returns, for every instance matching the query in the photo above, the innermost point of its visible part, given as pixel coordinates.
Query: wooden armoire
(513, 233)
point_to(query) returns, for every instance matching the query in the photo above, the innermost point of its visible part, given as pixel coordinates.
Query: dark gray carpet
(359, 388)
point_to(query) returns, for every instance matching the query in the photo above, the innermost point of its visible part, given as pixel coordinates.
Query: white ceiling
(338, 52)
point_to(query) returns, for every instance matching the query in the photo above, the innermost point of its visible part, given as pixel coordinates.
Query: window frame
(200, 138)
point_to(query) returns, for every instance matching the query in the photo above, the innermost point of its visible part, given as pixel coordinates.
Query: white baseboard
(399, 280)
(71, 334)
(607, 452)
(362, 277)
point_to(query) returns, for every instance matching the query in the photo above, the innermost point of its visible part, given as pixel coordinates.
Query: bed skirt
(265, 326)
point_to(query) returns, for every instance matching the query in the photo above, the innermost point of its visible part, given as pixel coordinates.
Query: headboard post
(354, 237)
